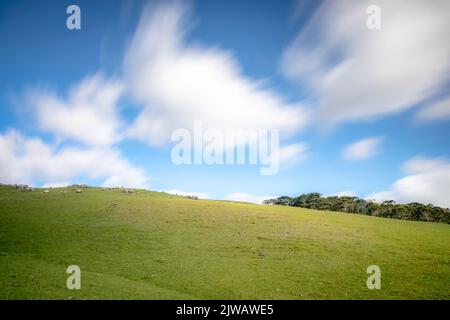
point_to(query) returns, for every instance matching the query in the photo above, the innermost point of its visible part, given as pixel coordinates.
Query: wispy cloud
(362, 149)
(179, 83)
(26, 160)
(201, 195)
(245, 197)
(359, 74)
(56, 184)
(89, 113)
(293, 153)
(439, 110)
(346, 193)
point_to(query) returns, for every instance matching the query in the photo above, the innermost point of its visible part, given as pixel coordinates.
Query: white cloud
(25, 160)
(346, 193)
(362, 149)
(436, 111)
(245, 197)
(237, 196)
(293, 153)
(381, 196)
(357, 73)
(200, 195)
(421, 164)
(427, 181)
(179, 84)
(89, 114)
(56, 184)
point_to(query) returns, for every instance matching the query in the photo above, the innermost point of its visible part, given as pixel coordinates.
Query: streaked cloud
(293, 153)
(26, 160)
(89, 114)
(200, 195)
(346, 193)
(245, 197)
(362, 149)
(178, 83)
(56, 184)
(439, 110)
(361, 74)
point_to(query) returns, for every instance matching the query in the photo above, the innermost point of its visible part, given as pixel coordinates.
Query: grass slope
(151, 245)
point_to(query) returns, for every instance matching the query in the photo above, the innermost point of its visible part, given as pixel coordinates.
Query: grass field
(151, 245)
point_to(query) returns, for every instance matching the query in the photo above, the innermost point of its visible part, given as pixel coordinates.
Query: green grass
(153, 245)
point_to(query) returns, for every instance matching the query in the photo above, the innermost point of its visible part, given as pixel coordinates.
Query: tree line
(387, 209)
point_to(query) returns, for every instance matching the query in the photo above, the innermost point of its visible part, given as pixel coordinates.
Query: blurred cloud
(89, 114)
(293, 153)
(200, 195)
(56, 184)
(439, 110)
(427, 181)
(346, 193)
(362, 149)
(25, 160)
(245, 197)
(179, 83)
(360, 74)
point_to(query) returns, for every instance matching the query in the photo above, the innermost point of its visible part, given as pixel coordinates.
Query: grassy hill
(151, 245)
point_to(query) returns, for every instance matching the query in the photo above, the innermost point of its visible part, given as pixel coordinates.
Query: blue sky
(364, 112)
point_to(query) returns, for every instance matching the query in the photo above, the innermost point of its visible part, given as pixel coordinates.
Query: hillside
(150, 245)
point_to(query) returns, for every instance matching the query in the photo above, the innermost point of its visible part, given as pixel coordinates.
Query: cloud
(200, 195)
(362, 149)
(245, 197)
(427, 181)
(26, 160)
(88, 114)
(56, 184)
(179, 83)
(360, 74)
(293, 153)
(237, 196)
(346, 193)
(437, 111)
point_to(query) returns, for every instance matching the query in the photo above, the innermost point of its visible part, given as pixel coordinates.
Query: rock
(46, 191)
(78, 191)
(192, 197)
(261, 254)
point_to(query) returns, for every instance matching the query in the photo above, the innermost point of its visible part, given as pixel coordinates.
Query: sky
(360, 111)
